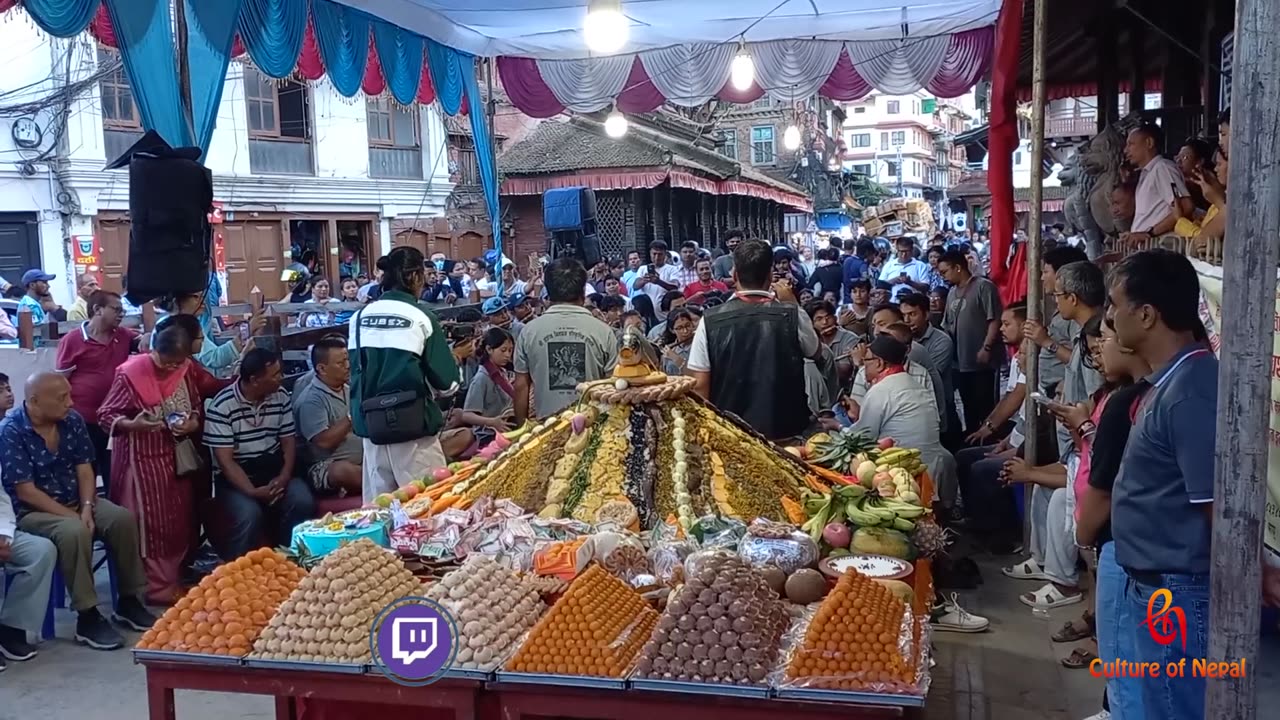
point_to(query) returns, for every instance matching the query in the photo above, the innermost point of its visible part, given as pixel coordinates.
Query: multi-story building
(905, 142)
(296, 166)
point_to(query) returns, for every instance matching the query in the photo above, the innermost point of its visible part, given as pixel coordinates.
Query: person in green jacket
(397, 345)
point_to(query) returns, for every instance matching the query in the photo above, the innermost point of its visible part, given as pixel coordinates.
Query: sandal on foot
(1050, 597)
(1079, 658)
(1025, 570)
(1071, 632)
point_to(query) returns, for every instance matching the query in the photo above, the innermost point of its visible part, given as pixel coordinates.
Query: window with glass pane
(391, 125)
(762, 145)
(892, 107)
(884, 141)
(899, 137)
(261, 104)
(728, 145)
(861, 140)
(118, 108)
(892, 169)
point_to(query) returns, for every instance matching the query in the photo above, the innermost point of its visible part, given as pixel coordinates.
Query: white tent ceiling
(547, 29)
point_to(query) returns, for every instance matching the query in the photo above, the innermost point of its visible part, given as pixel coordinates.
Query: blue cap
(493, 306)
(491, 257)
(515, 300)
(36, 275)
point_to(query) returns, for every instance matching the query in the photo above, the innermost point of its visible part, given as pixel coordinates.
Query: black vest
(757, 366)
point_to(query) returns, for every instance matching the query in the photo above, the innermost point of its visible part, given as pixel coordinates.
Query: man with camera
(659, 276)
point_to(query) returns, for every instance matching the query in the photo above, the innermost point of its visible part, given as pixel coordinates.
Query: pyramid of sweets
(225, 613)
(327, 619)
(596, 628)
(724, 625)
(492, 608)
(856, 641)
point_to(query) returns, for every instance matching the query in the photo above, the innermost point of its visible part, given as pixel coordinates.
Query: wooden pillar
(1245, 374)
(1210, 56)
(659, 216)
(1105, 40)
(26, 333)
(1138, 59)
(1035, 294)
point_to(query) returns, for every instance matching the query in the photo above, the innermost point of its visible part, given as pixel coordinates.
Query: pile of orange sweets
(224, 614)
(853, 642)
(596, 628)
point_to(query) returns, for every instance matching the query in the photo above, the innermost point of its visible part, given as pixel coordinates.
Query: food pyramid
(596, 628)
(224, 614)
(723, 626)
(858, 640)
(327, 618)
(658, 447)
(492, 607)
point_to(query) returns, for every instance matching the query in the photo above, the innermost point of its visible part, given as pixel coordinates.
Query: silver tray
(579, 681)
(755, 692)
(142, 656)
(849, 696)
(342, 669)
(468, 674)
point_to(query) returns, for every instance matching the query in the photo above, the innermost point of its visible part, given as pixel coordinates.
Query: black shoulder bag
(389, 418)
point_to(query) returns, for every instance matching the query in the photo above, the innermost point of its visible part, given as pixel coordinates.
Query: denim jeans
(1163, 697)
(25, 581)
(1116, 623)
(248, 515)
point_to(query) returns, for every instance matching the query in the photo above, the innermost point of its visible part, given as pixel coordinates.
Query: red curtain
(1002, 138)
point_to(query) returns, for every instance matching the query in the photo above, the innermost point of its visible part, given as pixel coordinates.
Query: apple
(383, 500)
(885, 443)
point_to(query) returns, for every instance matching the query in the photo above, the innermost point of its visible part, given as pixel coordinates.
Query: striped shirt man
(252, 431)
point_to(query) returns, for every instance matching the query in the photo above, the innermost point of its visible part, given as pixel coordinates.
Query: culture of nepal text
(1199, 668)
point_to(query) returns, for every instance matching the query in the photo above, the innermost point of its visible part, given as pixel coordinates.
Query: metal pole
(1244, 377)
(1035, 294)
(493, 153)
(184, 65)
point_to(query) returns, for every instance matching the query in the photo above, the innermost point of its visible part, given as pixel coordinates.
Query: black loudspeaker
(170, 240)
(573, 243)
(572, 208)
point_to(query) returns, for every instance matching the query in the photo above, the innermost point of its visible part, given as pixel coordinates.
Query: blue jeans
(1116, 623)
(25, 581)
(247, 516)
(1163, 697)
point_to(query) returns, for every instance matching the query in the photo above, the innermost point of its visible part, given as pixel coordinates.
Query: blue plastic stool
(58, 591)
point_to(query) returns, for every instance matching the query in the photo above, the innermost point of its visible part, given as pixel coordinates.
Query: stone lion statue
(1091, 174)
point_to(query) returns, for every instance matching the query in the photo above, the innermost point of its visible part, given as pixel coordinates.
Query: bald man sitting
(47, 470)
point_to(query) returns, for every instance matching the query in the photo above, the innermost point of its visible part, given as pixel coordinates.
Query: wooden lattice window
(277, 109)
(611, 223)
(391, 125)
(119, 111)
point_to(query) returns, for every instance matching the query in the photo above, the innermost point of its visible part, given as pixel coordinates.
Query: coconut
(806, 586)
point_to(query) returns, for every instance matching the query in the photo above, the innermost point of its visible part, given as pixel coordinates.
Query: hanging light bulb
(606, 29)
(615, 126)
(742, 72)
(791, 137)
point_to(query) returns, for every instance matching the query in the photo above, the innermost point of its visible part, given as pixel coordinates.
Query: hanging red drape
(1014, 287)
(310, 66)
(1002, 137)
(7, 4)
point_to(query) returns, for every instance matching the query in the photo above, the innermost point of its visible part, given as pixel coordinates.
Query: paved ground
(1009, 673)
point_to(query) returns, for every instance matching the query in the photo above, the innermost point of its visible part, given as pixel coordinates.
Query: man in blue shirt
(48, 472)
(854, 263)
(36, 282)
(1162, 502)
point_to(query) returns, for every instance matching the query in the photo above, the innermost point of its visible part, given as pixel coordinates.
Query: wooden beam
(1244, 377)
(1035, 295)
(1138, 64)
(1106, 39)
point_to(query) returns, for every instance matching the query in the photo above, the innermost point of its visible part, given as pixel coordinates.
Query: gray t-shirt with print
(567, 345)
(316, 408)
(969, 310)
(484, 397)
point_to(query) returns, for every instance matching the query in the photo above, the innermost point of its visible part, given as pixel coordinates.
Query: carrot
(444, 503)
(830, 476)
(815, 484)
(437, 491)
(795, 513)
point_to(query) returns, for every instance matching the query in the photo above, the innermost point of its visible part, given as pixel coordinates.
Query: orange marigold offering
(227, 611)
(859, 639)
(596, 628)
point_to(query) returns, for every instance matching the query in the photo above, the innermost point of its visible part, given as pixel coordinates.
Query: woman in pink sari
(152, 412)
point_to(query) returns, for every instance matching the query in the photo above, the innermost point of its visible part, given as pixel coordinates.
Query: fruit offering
(596, 628)
(723, 626)
(327, 618)
(855, 641)
(492, 608)
(224, 614)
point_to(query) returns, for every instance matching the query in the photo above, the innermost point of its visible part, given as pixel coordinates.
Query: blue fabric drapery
(62, 18)
(144, 32)
(400, 53)
(211, 29)
(272, 32)
(343, 37)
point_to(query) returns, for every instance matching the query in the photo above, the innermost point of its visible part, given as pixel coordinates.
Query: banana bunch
(874, 511)
(824, 509)
(906, 458)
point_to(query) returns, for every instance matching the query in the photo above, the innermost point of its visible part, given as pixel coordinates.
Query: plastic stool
(58, 592)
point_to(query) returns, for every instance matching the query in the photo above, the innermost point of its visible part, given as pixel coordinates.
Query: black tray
(578, 681)
(849, 696)
(294, 665)
(142, 656)
(755, 692)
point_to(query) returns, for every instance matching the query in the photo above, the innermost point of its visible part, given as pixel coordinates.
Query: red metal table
(286, 686)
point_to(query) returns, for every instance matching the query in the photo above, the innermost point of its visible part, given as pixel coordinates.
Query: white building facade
(296, 167)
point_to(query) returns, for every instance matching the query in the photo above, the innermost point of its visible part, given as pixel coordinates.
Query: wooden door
(19, 246)
(412, 238)
(253, 252)
(113, 239)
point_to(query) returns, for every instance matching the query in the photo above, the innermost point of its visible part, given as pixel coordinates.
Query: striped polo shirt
(231, 421)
